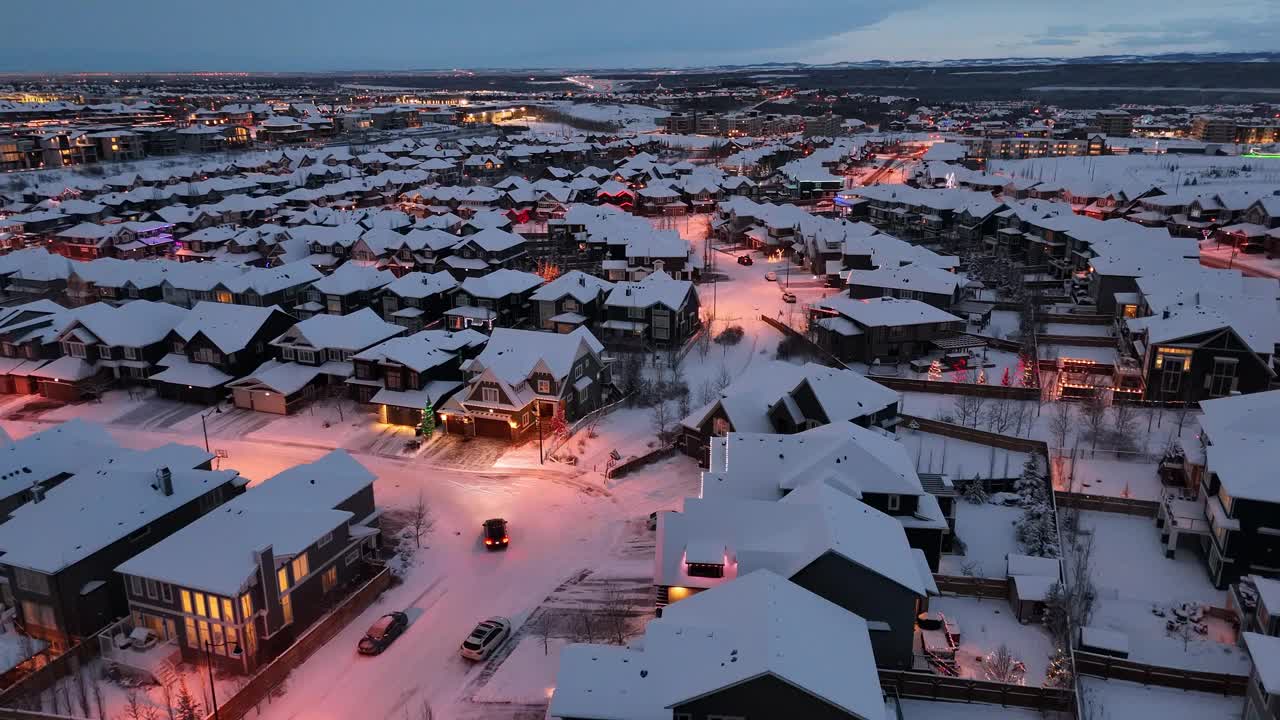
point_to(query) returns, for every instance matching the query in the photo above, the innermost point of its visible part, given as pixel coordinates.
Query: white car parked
(771, 276)
(487, 637)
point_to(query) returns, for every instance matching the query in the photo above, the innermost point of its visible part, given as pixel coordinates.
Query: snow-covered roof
(657, 288)
(1242, 450)
(1264, 651)
(355, 331)
(62, 449)
(424, 350)
(886, 312)
(264, 281)
(230, 327)
(97, 507)
(500, 283)
(290, 512)
(576, 284)
(760, 625)
(512, 355)
(421, 284)
(920, 278)
(350, 278)
(783, 536)
(135, 324)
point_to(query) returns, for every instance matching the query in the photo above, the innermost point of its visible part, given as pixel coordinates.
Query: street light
(209, 645)
(205, 428)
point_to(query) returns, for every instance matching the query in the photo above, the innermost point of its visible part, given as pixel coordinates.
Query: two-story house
(28, 340)
(782, 397)
(244, 581)
(39, 461)
(417, 299)
(404, 376)
(883, 328)
(282, 285)
(573, 300)
(500, 298)
(930, 285)
(63, 586)
(345, 290)
(311, 358)
(483, 251)
(105, 344)
(215, 344)
(522, 378)
(658, 311)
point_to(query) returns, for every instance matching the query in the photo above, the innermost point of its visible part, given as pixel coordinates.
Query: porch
(151, 653)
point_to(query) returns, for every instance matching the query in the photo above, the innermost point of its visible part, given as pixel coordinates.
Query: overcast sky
(318, 35)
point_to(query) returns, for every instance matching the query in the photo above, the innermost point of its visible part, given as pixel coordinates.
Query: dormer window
(894, 502)
(705, 570)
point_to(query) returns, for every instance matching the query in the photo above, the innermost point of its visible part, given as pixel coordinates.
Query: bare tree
(661, 419)
(1094, 411)
(1003, 666)
(425, 712)
(1061, 422)
(616, 609)
(80, 685)
(1070, 604)
(98, 701)
(420, 520)
(723, 378)
(587, 626)
(706, 393)
(542, 625)
(1124, 419)
(1001, 415)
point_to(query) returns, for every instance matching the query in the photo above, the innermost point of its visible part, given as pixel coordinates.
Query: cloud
(1054, 41)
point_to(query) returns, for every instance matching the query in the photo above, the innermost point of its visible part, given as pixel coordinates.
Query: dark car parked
(495, 534)
(745, 260)
(382, 633)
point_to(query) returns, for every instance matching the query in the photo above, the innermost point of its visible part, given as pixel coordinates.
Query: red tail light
(488, 542)
(506, 539)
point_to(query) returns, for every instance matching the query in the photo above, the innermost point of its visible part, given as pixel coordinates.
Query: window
(300, 567)
(166, 592)
(1223, 379)
(250, 638)
(704, 570)
(246, 606)
(214, 610)
(329, 579)
(544, 387)
(489, 395)
(135, 585)
(191, 633)
(200, 608)
(286, 353)
(104, 352)
(324, 540)
(635, 313)
(570, 305)
(179, 347)
(286, 604)
(208, 355)
(352, 556)
(75, 349)
(152, 591)
(186, 601)
(393, 380)
(282, 579)
(894, 502)
(1171, 375)
(897, 332)
(131, 353)
(333, 304)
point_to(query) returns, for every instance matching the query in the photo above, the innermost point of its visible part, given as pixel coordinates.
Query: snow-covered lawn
(988, 534)
(1102, 355)
(941, 710)
(527, 675)
(1118, 700)
(961, 459)
(1132, 478)
(986, 625)
(1133, 577)
(1076, 330)
(1003, 325)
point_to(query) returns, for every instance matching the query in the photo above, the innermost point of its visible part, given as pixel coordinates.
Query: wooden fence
(979, 587)
(956, 388)
(640, 461)
(1102, 503)
(274, 672)
(813, 348)
(940, 687)
(981, 437)
(1077, 340)
(1112, 668)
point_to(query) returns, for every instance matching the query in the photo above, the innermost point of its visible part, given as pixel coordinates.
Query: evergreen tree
(428, 424)
(188, 708)
(935, 370)
(974, 492)
(1030, 486)
(1058, 674)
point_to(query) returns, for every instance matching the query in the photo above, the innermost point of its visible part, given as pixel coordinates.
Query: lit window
(246, 606)
(200, 610)
(282, 579)
(286, 604)
(300, 567)
(214, 612)
(329, 579)
(186, 601)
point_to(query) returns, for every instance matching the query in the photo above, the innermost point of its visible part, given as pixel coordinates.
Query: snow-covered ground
(961, 459)
(1103, 355)
(1130, 478)
(1127, 598)
(15, 648)
(1118, 700)
(987, 624)
(637, 118)
(940, 710)
(1214, 254)
(1076, 329)
(988, 534)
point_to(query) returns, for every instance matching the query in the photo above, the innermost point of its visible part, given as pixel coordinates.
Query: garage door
(489, 427)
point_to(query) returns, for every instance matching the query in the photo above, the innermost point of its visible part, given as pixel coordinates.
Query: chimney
(1165, 315)
(628, 292)
(37, 493)
(164, 481)
(582, 280)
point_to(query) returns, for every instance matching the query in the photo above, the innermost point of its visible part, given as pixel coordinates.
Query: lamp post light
(209, 645)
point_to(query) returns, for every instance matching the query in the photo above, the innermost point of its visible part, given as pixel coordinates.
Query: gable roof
(512, 355)
(229, 327)
(355, 331)
(576, 284)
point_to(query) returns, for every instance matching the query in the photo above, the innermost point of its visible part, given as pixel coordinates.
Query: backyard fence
(999, 392)
(982, 437)
(927, 686)
(640, 461)
(1103, 503)
(1113, 668)
(15, 714)
(48, 674)
(979, 587)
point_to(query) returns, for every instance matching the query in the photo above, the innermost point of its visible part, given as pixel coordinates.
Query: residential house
(105, 344)
(1262, 695)
(63, 586)
(349, 288)
(880, 329)
(657, 311)
(571, 301)
(311, 358)
(215, 344)
(484, 251)
(417, 299)
(253, 574)
(523, 378)
(29, 340)
(37, 462)
(406, 375)
(781, 397)
(281, 285)
(761, 646)
(819, 538)
(930, 285)
(500, 298)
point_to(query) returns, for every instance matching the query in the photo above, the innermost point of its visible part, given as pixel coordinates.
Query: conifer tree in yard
(1004, 379)
(558, 425)
(188, 708)
(935, 370)
(428, 424)
(1030, 486)
(1058, 674)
